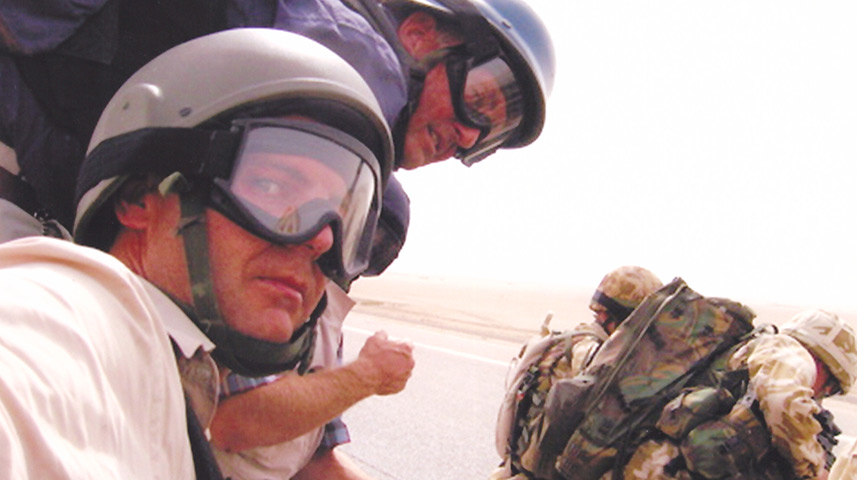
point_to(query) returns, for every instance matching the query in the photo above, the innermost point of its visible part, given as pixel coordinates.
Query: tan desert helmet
(830, 339)
(624, 289)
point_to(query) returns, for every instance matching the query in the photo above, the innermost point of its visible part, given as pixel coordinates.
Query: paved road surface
(442, 426)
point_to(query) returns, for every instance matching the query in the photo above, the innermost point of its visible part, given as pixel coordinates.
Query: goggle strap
(241, 353)
(163, 150)
(613, 307)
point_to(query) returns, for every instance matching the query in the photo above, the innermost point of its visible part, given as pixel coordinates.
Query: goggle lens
(288, 184)
(488, 98)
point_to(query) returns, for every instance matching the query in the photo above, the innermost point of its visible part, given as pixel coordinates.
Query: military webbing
(204, 464)
(241, 353)
(193, 231)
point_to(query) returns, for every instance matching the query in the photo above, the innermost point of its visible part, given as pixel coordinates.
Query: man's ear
(135, 215)
(418, 34)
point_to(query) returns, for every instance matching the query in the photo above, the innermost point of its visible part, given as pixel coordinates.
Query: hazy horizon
(711, 141)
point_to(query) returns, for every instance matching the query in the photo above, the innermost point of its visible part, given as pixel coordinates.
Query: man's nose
(466, 137)
(321, 242)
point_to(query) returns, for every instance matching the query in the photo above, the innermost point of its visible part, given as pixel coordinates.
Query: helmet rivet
(185, 111)
(507, 24)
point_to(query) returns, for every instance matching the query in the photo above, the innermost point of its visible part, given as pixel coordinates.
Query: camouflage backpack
(541, 362)
(593, 421)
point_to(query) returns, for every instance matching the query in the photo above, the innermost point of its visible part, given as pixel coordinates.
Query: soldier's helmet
(622, 290)
(830, 339)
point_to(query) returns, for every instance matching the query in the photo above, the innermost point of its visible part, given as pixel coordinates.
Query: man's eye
(267, 186)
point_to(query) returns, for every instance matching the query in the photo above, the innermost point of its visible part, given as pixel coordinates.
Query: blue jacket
(50, 143)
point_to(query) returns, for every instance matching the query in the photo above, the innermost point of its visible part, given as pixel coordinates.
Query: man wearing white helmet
(231, 191)
(775, 428)
(252, 438)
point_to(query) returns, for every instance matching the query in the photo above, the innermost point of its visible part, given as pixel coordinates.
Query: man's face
(263, 290)
(266, 290)
(825, 383)
(434, 133)
(602, 317)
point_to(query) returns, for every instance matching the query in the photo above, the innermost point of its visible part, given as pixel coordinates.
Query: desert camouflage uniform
(782, 373)
(582, 349)
(565, 358)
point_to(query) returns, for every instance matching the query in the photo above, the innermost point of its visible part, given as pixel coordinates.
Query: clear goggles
(486, 96)
(292, 178)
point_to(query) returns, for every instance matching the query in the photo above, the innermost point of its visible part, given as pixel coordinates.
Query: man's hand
(386, 364)
(256, 417)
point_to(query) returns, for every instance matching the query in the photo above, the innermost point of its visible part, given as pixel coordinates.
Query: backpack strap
(19, 192)
(204, 464)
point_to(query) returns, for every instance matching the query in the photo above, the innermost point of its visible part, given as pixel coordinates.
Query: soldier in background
(774, 431)
(559, 355)
(618, 294)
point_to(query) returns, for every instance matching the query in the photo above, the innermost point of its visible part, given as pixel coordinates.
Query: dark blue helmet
(525, 44)
(392, 228)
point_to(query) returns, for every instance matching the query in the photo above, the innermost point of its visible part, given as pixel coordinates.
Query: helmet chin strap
(240, 353)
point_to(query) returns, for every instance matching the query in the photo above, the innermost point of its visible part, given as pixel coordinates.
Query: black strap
(17, 191)
(204, 462)
(160, 150)
(619, 311)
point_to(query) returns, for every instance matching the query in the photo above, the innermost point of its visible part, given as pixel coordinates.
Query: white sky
(715, 141)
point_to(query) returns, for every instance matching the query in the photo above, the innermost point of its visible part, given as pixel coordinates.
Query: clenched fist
(386, 364)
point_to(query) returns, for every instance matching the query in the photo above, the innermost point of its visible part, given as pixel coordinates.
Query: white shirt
(89, 386)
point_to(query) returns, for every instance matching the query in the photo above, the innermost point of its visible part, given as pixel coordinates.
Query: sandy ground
(497, 310)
